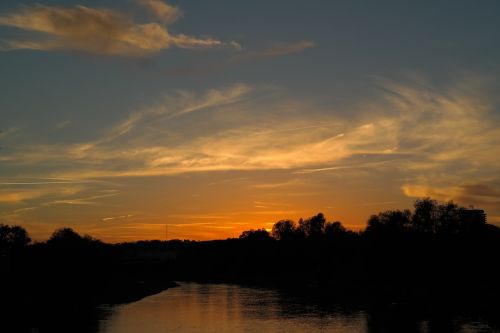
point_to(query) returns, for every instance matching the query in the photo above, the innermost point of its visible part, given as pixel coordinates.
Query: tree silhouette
(334, 229)
(425, 215)
(13, 236)
(448, 218)
(284, 230)
(390, 222)
(314, 227)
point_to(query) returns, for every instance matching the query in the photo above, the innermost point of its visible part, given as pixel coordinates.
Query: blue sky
(213, 117)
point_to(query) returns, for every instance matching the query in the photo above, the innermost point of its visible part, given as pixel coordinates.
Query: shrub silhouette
(255, 235)
(68, 238)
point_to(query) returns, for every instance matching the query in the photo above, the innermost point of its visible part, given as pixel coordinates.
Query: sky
(118, 118)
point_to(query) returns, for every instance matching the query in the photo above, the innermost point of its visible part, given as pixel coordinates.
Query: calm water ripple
(222, 308)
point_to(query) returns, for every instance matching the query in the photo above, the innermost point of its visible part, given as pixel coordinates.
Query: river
(194, 308)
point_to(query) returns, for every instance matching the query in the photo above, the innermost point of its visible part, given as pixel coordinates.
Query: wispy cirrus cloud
(418, 130)
(20, 195)
(483, 195)
(163, 11)
(62, 124)
(422, 140)
(44, 182)
(99, 31)
(176, 105)
(34, 199)
(274, 51)
(120, 217)
(10, 131)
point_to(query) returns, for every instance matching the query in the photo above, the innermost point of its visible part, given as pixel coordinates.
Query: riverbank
(52, 304)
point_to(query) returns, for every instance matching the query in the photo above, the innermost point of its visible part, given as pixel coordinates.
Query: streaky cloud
(97, 31)
(275, 50)
(163, 11)
(428, 137)
(243, 56)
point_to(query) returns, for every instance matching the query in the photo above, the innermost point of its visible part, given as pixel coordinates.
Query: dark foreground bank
(46, 285)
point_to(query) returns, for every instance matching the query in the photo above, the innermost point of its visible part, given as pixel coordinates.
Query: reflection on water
(196, 307)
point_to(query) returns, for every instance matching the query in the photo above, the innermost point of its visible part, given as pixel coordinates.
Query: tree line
(435, 248)
(428, 217)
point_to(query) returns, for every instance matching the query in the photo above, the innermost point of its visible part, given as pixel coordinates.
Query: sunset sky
(119, 117)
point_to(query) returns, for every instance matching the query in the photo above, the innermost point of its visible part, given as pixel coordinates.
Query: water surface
(196, 307)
